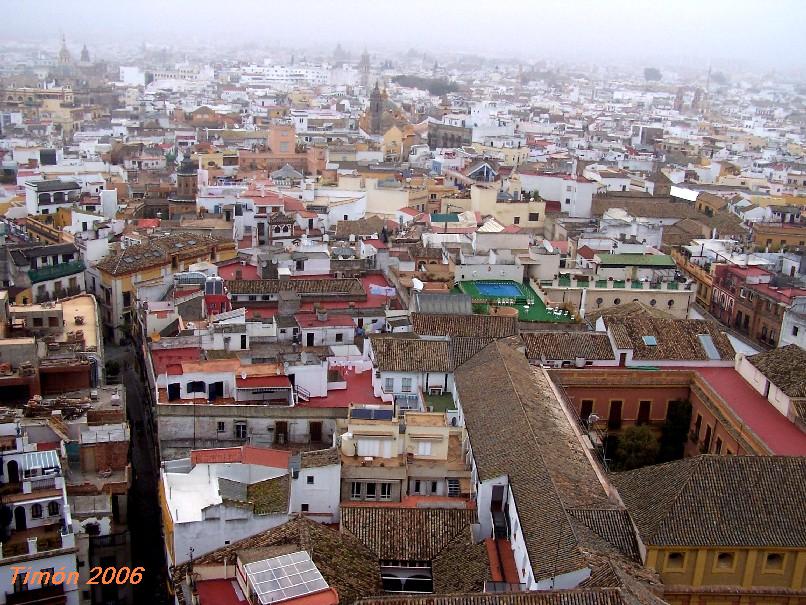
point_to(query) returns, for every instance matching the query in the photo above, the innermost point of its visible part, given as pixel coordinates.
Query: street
(144, 515)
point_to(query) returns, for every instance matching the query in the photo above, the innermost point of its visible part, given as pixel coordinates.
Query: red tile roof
(309, 320)
(262, 381)
(376, 243)
(586, 252)
(245, 454)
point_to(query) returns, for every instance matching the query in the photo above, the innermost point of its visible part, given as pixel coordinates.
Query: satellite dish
(417, 284)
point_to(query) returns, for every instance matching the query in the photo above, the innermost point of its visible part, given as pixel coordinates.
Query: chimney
(321, 314)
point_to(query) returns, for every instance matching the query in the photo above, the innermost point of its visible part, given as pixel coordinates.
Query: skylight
(650, 341)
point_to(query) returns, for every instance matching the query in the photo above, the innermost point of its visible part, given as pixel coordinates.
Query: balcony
(36, 540)
(50, 595)
(56, 271)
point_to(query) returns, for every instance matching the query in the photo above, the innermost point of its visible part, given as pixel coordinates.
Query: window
(675, 561)
(309, 480)
(386, 491)
(304, 508)
(697, 427)
(568, 200)
(725, 561)
(586, 409)
(388, 384)
(644, 411)
(37, 322)
(718, 446)
(220, 428)
(774, 562)
(434, 487)
(368, 447)
(240, 430)
(614, 419)
(36, 511)
(370, 491)
(795, 330)
(355, 490)
(53, 509)
(616, 301)
(534, 216)
(406, 385)
(516, 220)
(424, 448)
(339, 337)
(197, 386)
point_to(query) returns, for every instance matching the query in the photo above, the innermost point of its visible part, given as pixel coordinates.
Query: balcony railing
(56, 271)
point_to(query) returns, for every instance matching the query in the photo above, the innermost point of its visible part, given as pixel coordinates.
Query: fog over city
(726, 33)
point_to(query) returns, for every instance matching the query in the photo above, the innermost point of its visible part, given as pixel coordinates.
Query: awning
(40, 460)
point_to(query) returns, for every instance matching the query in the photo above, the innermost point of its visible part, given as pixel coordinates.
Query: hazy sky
(764, 33)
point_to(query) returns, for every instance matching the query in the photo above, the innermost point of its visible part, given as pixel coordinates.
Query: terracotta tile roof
(567, 345)
(270, 496)
(412, 354)
(345, 563)
(545, 463)
(626, 310)
(785, 368)
(406, 534)
(676, 339)
(604, 596)
(372, 225)
(246, 454)
(462, 566)
(158, 251)
(613, 526)
(347, 286)
(710, 500)
(317, 458)
(486, 326)
(660, 207)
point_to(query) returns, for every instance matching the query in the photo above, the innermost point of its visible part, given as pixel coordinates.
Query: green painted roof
(636, 260)
(445, 218)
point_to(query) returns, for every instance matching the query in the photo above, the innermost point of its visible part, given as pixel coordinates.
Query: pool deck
(536, 311)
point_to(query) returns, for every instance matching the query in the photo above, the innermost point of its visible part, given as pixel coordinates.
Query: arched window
(53, 508)
(36, 511)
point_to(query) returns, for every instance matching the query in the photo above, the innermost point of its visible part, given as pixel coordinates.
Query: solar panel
(371, 414)
(382, 414)
(284, 577)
